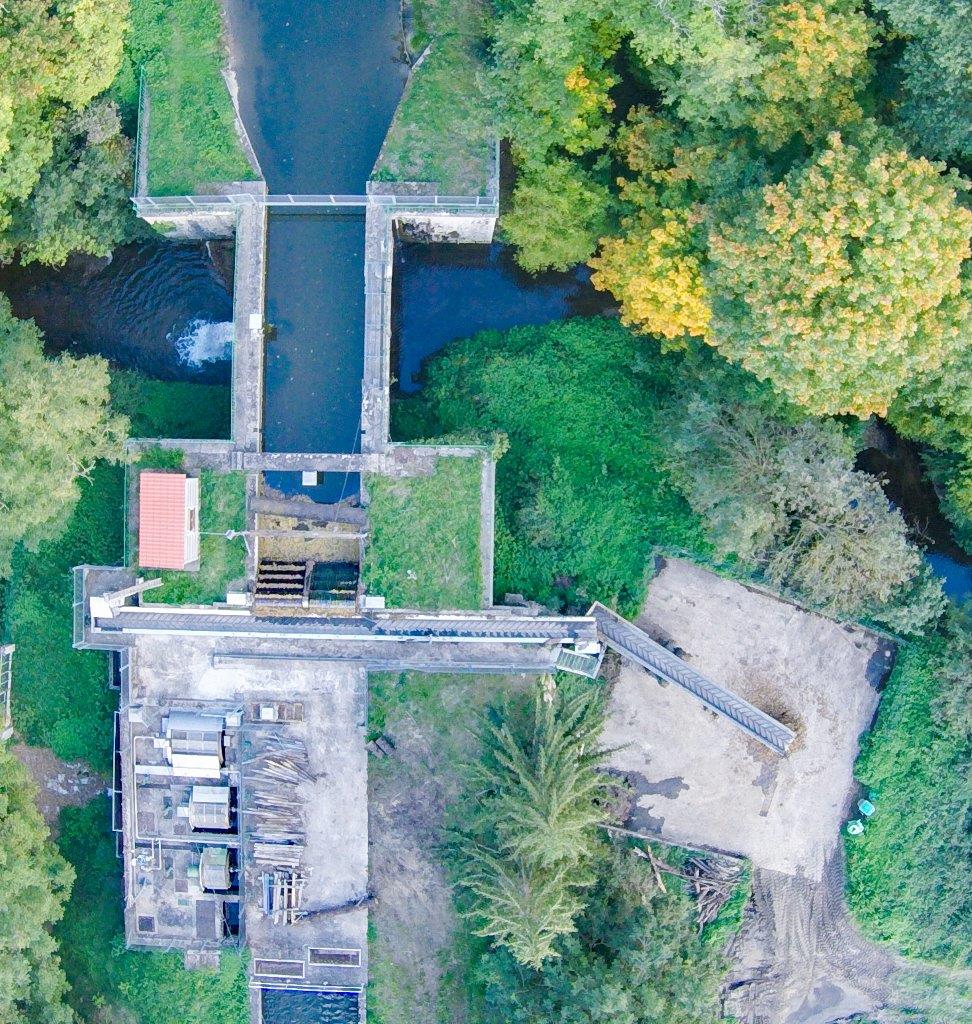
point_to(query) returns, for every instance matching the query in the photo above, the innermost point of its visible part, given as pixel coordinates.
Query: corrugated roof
(161, 520)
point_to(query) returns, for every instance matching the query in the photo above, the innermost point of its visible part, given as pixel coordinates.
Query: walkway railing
(161, 205)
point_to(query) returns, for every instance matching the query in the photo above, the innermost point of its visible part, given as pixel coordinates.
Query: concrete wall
(193, 225)
(446, 227)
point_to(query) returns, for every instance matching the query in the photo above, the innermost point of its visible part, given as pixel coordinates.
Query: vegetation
(423, 549)
(61, 698)
(786, 497)
(614, 451)
(935, 65)
(64, 161)
(442, 131)
(742, 178)
(583, 496)
(108, 982)
(192, 136)
(222, 507)
(54, 426)
(910, 873)
(526, 846)
(34, 883)
(635, 958)
(844, 281)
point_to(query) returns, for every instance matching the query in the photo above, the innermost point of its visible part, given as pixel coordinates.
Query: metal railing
(161, 205)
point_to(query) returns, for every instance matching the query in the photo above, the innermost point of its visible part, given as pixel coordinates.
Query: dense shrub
(910, 874)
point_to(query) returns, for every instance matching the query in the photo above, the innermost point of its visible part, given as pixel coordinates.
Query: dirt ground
(798, 958)
(59, 783)
(698, 779)
(413, 922)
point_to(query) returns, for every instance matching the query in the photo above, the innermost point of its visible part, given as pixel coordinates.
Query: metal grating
(334, 957)
(634, 643)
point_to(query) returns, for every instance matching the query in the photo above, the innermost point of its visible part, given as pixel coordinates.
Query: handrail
(230, 201)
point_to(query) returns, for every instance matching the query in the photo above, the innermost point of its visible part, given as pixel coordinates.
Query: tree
(813, 64)
(524, 856)
(35, 882)
(785, 497)
(54, 59)
(635, 958)
(54, 425)
(79, 203)
(557, 214)
(937, 107)
(843, 281)
(655, 271)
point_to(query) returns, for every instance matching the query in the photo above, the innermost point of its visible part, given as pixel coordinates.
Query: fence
(162, 205)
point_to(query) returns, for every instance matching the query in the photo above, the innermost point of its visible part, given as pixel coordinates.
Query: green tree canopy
(54, 60)
(937, 66)
(34, 884)
(844, 281)
(558, 213)
(524, 856)
(54, 425)
(635, 958)
(814, 62)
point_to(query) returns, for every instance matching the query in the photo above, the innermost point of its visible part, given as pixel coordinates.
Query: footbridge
(635, 644)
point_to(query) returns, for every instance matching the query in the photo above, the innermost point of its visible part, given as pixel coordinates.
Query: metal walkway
(634, 643)
(515, 629)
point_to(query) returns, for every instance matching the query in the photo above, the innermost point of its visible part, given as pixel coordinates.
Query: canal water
(318, 87)
(158, 307)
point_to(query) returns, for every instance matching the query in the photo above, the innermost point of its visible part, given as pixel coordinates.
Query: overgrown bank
(61, 697)
(612, 451)
(910, 873)
(144, 987)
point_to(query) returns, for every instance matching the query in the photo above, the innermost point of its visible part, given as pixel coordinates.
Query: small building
(168, 520)
(209, 809)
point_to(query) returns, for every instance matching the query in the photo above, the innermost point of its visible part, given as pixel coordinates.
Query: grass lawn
(423, 551)
(222, 507)
(60, 696)
(192, 133)
(110, 984)
(442, 130)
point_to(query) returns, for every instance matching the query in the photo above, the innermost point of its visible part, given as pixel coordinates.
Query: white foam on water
(205, 342)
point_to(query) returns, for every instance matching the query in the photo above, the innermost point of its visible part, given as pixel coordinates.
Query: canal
(318, 87)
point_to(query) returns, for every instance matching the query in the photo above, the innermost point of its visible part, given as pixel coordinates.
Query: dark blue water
(318, 87)
(315, 348)
(158, 307)
(289, 1006)
(319, 81)
(446, 291)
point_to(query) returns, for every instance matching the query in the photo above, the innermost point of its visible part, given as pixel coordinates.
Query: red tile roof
(161, 520)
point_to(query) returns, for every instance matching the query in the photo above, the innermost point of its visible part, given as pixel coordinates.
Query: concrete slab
(699, 780)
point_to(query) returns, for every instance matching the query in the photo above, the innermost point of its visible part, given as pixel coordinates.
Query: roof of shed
(161, 520)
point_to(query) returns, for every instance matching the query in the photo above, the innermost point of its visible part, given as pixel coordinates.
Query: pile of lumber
(712, 880)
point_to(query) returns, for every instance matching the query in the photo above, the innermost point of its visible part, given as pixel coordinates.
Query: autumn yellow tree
(655, 271)
(814, 62)
(844, 281)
